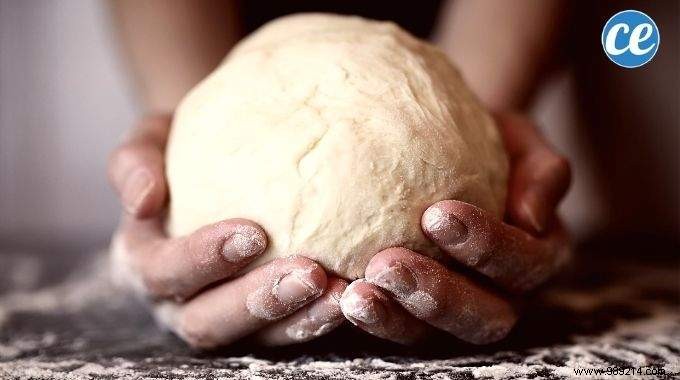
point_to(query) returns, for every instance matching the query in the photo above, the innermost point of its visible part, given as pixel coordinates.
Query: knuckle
(135, 153)
(562, 163)
(122, 154)
(559, 163)
(557, 166)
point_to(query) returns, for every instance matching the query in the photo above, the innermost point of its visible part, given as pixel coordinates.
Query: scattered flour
(85, 286)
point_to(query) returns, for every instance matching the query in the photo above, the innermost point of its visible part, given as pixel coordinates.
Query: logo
(630, 38)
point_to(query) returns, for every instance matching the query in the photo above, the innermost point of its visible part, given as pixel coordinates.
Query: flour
(260, 302)
(36, 370)
(91, 283)
(421, 303)
(355, 307)
(653, 339)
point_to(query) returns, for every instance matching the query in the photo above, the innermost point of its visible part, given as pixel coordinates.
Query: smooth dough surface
(334, 133)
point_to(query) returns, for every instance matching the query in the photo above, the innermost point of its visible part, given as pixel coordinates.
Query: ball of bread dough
(334, 133)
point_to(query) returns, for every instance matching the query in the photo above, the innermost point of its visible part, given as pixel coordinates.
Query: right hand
(192, 279)
(404, 288)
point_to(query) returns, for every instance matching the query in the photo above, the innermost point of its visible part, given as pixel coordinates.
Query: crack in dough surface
(334, 133)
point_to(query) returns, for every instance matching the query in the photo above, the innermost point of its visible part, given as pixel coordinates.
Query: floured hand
(195, 282)
(406, 296)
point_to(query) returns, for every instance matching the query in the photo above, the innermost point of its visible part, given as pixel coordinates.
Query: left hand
(196, 284)
(406, 296)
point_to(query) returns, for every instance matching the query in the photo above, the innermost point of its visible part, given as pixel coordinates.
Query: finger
(318, 318)
(137, 169)
(540, 177)
(509, 256)
(372, 310)
(440, 297)
(246, 304)
(178, 268)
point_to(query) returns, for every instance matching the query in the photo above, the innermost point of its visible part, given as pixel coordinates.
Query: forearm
(501, 48)
(171, 45)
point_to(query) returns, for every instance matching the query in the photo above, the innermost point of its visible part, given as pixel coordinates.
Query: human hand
(406, 296)
(195, 281)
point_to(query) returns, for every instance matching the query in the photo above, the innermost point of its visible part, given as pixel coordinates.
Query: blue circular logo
(630, 38)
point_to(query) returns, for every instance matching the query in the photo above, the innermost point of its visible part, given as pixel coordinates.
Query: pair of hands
(404, 297)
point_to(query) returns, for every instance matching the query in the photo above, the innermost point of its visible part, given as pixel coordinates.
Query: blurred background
(66, 98)
(65, 101)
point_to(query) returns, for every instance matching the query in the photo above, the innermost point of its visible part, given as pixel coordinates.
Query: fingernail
(296, 287)
(358, 308)
(397, 279)
(444, 228)
(137, 186)
(242, 245)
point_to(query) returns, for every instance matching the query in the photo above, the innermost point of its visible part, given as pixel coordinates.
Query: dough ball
(334, 133)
